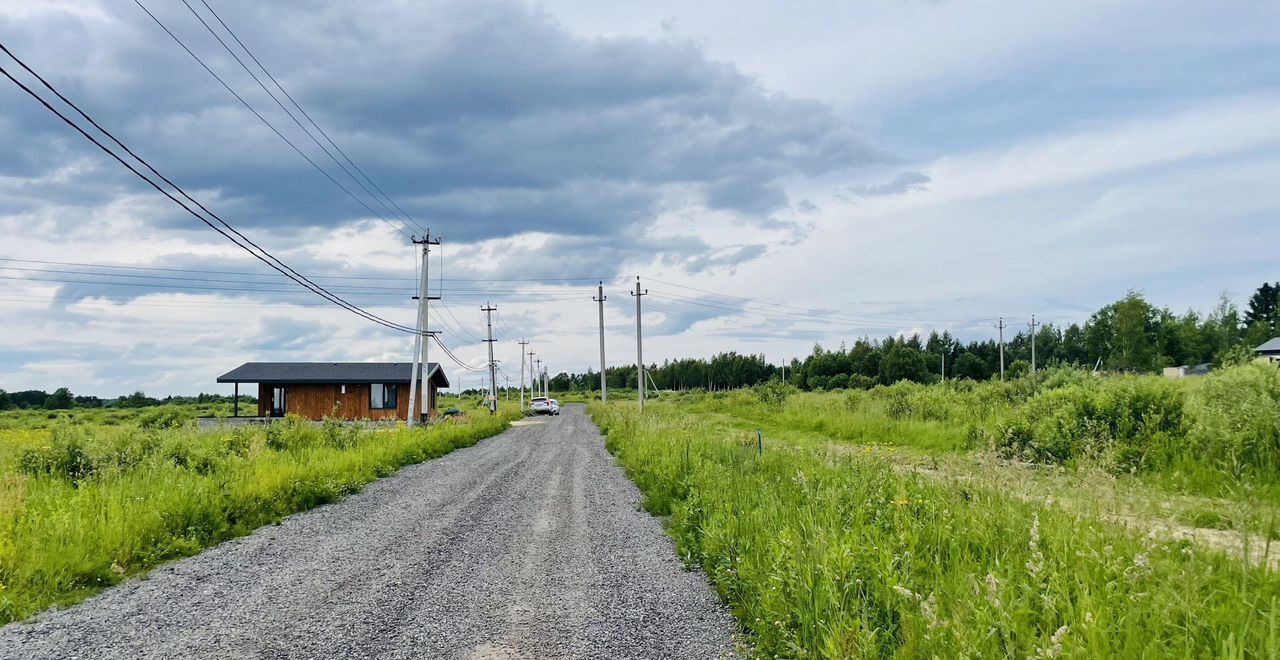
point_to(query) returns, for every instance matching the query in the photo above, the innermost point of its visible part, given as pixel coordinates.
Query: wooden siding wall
(317, 401)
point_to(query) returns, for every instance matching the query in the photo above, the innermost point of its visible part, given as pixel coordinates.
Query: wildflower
(902, 502)
(929, 610)
(906, 593)
(1036, 563)
(992, 585)
(1055, 645)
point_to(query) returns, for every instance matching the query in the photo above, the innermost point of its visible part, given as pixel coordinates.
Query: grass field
(90, 497)
(1066, 517)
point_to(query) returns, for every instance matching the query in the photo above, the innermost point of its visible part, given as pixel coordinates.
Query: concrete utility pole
(493, 366)
(538, 379)
(639, 342)
(523, 344)
(421, 339)
(944, 366)
(1001, 326)
(600, 298)
(1033, 325)
(507, 390)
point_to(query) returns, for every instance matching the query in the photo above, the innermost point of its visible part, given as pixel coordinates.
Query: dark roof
(329, 372)
(1272, 346)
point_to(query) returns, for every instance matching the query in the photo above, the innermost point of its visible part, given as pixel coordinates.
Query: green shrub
(774, 393)
(861, 382)
(1235, 417)
(1135, 421)
(66, 456)
(164, 417)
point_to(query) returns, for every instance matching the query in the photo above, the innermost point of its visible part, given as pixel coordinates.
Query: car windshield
(539, 400)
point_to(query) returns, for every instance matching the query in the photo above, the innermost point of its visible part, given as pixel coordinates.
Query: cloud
(482, 119)
(899, 184)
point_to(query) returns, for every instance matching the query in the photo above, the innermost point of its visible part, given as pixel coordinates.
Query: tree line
(1130, 335)
(63, 399)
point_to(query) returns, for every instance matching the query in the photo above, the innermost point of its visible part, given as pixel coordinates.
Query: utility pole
(493, 366)
(944, 365)
(523, 344)
(1033, 325)
(1001, 326)
(538, 380)
(507, 390)
(600, 298)
(639, 342)
(421, 339)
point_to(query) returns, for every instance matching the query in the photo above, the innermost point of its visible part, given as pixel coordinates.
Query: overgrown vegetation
(84, 504)
(832, 553)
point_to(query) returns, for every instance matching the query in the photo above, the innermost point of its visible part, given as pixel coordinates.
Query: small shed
(1269, 350)
(346, 390)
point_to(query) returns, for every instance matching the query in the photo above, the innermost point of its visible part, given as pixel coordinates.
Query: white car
(541, 405)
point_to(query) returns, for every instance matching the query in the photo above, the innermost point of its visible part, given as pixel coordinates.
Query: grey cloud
(482, 119)
(899, 184)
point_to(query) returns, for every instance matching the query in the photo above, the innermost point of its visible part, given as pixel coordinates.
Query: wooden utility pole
(639, 342)
(421, 338)
(1033, 325)
(493, 366)
(1001, 326)
(604, 388)
(523, 344)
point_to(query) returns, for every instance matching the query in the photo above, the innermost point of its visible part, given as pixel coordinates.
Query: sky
(776, 174)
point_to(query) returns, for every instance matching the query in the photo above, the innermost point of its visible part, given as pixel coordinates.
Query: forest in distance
(1130, 335)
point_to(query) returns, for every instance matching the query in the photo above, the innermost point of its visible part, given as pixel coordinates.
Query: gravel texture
(528, 545)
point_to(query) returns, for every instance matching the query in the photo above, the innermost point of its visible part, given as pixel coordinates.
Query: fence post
(759, 443)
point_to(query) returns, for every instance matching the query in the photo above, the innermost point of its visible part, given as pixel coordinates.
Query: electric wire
(269, 124)
(288, 112)
(265, 257)
(308, 116)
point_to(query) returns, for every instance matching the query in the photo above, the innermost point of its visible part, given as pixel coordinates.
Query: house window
(382, 397)
(277, 402)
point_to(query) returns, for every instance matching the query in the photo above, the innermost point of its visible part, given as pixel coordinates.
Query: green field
(1063, 516)
(90, 497)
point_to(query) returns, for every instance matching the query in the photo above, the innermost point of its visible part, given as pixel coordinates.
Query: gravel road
(527, 545)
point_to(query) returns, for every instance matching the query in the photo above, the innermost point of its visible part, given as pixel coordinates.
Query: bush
(1235, 417)
(861, 382)
(1136, 421)
(164, 417)
(774, 393)
(65, 457)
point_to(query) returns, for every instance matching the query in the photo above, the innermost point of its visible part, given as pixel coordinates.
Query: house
(1269, 350)
(346, 390)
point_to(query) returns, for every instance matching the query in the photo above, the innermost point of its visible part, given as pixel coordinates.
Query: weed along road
(527, 545)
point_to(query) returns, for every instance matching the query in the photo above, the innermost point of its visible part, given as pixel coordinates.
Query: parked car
(541, 405)
(555, 407)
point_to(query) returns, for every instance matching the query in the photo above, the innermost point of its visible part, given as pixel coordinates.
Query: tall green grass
(82, 507)
(826, 554)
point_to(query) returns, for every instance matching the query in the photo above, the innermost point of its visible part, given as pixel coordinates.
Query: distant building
(346, 390)
(1190, 370)
(1269, 350)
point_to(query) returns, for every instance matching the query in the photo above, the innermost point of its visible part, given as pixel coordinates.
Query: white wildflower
(929, 610)
(1036, 563)
(906, 593)
(1055, 644)
(992, 585)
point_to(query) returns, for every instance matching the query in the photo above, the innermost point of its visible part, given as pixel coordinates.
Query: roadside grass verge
(838, 554)
(85, 507)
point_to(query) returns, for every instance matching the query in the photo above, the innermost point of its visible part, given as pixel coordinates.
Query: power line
(269, 124)
(265, 257)
(282, 106)
(308, 116)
